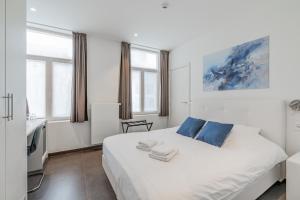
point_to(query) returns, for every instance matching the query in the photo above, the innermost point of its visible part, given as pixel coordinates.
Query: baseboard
(90, 148)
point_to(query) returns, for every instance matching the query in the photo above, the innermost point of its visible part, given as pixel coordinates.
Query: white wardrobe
(13, 157)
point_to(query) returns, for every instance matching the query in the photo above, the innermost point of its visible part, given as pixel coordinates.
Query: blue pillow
(191, 127)
(214, 133)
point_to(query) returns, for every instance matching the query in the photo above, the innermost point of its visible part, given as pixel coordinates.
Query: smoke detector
(165, 5)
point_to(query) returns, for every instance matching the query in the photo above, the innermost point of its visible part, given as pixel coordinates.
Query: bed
(201, 171)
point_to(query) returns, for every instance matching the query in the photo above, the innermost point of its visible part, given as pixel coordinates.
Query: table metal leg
(40, 181)
(123, 127)
(149, 127)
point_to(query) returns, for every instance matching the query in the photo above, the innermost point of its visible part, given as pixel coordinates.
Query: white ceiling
(120, 19)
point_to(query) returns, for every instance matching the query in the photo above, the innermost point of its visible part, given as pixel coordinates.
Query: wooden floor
(80, 176)
(74, 176)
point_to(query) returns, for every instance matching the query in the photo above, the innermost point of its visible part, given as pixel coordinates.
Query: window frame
(49, 76)
(142, 71)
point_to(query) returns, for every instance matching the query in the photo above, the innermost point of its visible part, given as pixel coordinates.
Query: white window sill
(145, 114)
(58, 119)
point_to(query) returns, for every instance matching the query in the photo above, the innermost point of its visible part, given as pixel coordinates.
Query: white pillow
(249, 142)
(241, 134)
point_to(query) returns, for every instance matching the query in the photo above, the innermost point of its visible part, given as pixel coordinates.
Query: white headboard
(269, 115)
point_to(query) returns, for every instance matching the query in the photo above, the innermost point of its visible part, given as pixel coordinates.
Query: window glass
(150, 90)
(144, 59)
(136, 90)
(145, 72)
(62, 89)
(48, 44)
(36, 87)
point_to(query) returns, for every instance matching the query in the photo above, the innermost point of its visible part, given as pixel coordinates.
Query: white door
(2, 100)
(16, 156)
(179, 95)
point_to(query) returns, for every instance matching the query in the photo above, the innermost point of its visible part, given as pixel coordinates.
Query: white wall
(63, 135)
(103, 70)
(103, 83)
(279, 20)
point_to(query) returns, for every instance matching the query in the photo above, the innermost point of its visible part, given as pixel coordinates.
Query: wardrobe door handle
(12, 106)
(6, 98)
(8, 107)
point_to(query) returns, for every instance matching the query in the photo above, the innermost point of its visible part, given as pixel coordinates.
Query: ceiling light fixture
(33, 9)
(165, 5)
(135, 34)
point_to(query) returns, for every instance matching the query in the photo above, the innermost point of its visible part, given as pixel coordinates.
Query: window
(61, 89)
(49, 74)
(48, 44)
(35, 86)
(144, 81)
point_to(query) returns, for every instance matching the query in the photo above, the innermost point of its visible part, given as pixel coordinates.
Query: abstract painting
(244, 66)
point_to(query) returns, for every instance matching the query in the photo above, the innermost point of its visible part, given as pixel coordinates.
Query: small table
(136, 123)
(35, 162)
(292, 177)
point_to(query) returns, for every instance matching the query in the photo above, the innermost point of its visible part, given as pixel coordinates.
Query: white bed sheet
(198, 172)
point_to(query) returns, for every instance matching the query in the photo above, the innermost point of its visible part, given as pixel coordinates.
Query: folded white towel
(166, 158)
(147, 143)
(143, 148)
(162, 150)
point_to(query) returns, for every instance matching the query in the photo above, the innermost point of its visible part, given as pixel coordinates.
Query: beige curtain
(125, 83)
(79, 88)
(164, 82)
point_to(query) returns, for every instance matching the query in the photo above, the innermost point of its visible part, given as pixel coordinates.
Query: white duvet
(198, 172)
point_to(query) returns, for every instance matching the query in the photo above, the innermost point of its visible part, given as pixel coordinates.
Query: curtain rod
(144, 46)
(64, 29)
(55, 27)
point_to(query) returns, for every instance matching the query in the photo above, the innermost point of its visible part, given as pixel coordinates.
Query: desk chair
(31, 149)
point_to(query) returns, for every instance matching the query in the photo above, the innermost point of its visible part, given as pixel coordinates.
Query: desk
(31, 125)
(36, 160)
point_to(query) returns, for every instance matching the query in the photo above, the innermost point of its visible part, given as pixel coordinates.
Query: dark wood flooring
(74, 176)
(80, 176)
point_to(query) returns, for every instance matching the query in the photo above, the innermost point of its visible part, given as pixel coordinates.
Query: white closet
(13, 157)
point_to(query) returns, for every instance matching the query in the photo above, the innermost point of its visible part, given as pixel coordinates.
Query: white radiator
(104, 121)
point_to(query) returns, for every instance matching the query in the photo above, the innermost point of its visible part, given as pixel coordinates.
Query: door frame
(188, 66)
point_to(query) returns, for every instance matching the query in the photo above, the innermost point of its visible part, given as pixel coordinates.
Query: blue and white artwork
(245, 66)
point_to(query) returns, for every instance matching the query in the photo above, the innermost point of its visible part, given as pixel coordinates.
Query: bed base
(262, 184)
(112, 179)
(251, 192)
